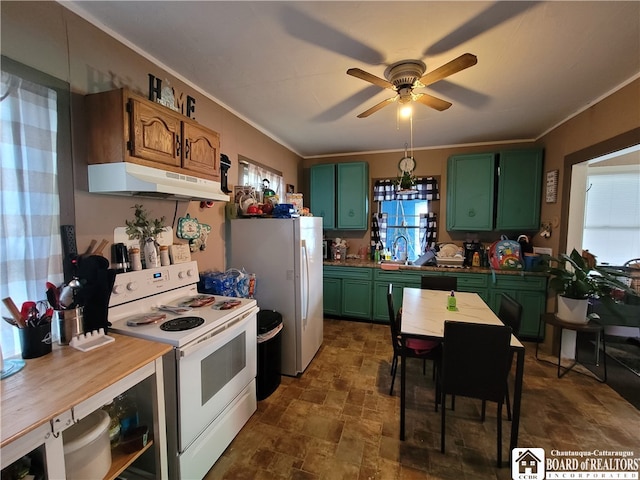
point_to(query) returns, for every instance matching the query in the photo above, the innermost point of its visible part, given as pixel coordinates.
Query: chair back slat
(475, 360)
(439, 283)
(392, 316)
(510, 313)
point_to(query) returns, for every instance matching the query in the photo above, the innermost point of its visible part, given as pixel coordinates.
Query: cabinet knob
(472, 213)
(186, 148)
(352, 213)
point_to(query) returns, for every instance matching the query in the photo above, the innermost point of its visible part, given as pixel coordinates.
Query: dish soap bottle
(451, 302)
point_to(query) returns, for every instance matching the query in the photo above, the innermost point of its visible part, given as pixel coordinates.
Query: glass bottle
(127, 412)
(114, 423)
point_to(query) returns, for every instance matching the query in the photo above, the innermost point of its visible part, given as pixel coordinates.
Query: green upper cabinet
(340, 194)
(470, 187)
(323, 194)
(519, 189)
(492, 191)
(353, 196)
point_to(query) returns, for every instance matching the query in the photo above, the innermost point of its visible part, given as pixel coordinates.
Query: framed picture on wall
(290, 188)
(552, 186)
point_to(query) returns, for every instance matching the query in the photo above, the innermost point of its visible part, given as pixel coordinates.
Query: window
(35, 136)
(253, 174)
(405, 215)
(612, 214)
(403, 220)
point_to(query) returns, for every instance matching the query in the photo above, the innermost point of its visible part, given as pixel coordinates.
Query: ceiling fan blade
(465, 60)
(377, 107)
(367, 77)
(432, 102)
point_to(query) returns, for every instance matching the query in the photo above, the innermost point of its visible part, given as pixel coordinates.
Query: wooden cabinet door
(519, 189)
(201, 149)
(154, 133)
(323, 194)
(353, 196)
(470, 187)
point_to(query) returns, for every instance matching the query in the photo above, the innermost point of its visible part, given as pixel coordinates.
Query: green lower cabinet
(332, 295)
(530, 292)
(347, 292)
(356, 298)
(471, 282)
(362, 292)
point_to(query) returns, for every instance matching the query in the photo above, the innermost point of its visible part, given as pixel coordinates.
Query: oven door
(212, 371)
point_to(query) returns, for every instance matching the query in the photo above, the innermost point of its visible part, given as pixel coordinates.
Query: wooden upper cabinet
(201, 149)
(155, 134)
(125, 127)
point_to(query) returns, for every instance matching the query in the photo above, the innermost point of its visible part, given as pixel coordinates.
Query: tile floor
(337, 420)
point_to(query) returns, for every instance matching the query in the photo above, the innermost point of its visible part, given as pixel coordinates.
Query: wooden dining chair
(439, 283)
(413, 348)
(475, 360)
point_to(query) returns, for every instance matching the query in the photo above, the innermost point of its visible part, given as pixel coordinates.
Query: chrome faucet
(406, 248)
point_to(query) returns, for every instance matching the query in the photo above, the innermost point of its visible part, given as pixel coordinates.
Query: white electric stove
(209, 377)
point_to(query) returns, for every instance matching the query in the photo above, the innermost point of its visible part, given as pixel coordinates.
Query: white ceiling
(282, 66)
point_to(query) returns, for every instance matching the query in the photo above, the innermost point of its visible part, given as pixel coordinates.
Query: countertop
(366, 263)
(54, 383)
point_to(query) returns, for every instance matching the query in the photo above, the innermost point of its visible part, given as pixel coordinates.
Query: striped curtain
(426, 188)
(30, 246)
(428, 231)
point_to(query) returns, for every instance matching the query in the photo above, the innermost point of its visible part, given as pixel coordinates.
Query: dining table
(423, 315)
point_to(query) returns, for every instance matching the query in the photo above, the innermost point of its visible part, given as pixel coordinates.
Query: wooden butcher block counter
(56, 390)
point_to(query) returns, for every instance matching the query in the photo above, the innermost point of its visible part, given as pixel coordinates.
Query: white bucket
(573, 310)
(87, 451)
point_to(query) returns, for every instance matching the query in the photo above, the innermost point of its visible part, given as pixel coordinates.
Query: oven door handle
(211, 336)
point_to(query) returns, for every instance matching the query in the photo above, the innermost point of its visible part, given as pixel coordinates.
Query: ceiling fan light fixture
(406, 110)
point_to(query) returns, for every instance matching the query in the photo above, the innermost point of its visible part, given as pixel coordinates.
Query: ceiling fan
(405, 76)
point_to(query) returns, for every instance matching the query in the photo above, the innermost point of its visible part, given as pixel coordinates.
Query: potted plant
(145, 230)
(405, 182)
(576, 278)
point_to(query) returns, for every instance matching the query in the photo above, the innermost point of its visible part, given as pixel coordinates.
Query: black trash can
(269, 352)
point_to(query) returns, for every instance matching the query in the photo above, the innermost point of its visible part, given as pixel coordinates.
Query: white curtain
(256, 175)
(30, 246)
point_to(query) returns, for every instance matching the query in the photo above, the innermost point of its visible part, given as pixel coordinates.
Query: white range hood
(130, 179)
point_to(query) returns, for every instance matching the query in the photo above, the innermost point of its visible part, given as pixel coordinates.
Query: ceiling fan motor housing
(405, 73)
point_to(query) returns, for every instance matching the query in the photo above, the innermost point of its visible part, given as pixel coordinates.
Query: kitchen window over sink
(405, 216)
(36, 165)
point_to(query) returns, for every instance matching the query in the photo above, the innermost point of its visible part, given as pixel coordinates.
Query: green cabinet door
(528, 291)
(356, 298)
(353, 196)
(470, 192)
(519, 189)
(332, 296)
(322, 202)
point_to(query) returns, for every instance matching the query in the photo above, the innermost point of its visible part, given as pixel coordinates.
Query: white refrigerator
(286, 256)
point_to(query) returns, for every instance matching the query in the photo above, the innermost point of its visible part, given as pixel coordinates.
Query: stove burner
(181, 323)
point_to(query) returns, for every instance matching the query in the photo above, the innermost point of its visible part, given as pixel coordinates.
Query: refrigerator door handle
(305, 295)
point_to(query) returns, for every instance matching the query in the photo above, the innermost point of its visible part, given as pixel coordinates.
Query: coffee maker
(469, 249)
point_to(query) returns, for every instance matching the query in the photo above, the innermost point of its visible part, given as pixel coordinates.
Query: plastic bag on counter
(232, 283)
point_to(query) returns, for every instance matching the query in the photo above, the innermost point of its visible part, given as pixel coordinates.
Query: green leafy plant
(572, 276)
(142, 227)
(406, 182)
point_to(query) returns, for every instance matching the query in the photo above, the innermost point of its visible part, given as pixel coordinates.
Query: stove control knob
(131, 286)
(117, 289)
(187, 274)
